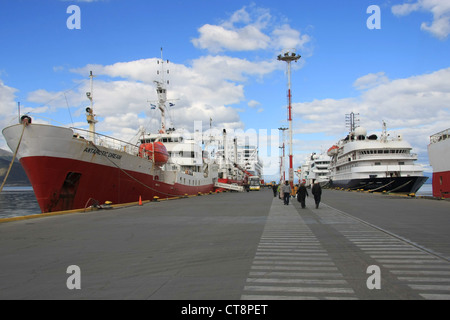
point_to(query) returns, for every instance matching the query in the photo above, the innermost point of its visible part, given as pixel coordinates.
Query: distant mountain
(17, 176)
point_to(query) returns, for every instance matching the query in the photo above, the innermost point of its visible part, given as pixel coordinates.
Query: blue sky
(223, 65)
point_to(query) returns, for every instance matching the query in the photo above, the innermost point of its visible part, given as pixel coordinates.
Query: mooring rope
(382, 186)
(393, 190)
(14, 158)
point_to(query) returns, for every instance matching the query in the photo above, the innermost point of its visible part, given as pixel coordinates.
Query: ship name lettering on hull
(102, 153)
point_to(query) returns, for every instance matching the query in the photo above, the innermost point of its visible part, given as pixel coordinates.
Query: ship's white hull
(439, 156)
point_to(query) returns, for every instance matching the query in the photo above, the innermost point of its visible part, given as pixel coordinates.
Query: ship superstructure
(315, 168)
(237, 161)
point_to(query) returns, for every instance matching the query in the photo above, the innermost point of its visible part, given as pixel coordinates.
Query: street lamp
(288, 57)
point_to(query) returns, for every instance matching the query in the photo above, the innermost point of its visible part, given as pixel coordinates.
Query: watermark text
(74, 20)
(374, 21)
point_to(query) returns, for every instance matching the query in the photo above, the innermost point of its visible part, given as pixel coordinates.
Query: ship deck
(234, 246)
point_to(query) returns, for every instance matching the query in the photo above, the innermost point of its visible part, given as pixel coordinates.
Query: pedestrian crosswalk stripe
(290, 263)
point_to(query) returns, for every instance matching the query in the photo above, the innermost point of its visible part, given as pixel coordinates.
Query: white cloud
(249, 29)
(284, 37)
(253, 104)
(205, 89)
(370, 80)
(7, 96)
(8, 109)
(83, 0)
(218, 38)
(440, 26)
(225, 68)
(405, 9)
(415, 107)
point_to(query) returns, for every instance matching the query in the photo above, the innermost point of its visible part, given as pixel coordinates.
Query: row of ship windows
(366, 152)
(400, 163)
(183, 154)
(320, 163)
(194, 182)
(165, 140)
(382, 151)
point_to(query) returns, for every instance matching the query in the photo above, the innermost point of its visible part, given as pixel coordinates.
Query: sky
(385, 60)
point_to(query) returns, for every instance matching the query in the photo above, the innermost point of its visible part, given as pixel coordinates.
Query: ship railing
(109, 142)
(440, 136)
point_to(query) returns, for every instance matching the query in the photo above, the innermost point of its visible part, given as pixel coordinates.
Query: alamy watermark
(374, 21)
(74, 280)
(74, 20)
(374, 281)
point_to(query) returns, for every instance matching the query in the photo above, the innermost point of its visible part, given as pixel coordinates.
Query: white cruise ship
(375, 164)
(315, 168)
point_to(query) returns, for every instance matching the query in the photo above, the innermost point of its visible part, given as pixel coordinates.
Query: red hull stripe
(65, 184)
(441, 184)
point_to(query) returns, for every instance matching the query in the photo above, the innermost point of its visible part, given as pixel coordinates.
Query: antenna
(90, 116)
(163, 71)
(351, 121)
(162, 93)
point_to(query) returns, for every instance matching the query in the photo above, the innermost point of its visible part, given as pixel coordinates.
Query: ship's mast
(162, 98)
(384, 134)
(162, 92)
(90, 116)
(225, 153)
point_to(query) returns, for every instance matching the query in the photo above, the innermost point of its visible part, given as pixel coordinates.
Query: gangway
(228, 186)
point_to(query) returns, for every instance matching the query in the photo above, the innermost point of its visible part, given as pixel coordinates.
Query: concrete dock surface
(234, 246)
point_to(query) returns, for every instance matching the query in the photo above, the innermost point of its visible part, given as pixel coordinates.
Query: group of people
(286, 191)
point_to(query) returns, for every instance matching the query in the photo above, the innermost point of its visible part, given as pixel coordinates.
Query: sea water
(18, 201)
(425, 191)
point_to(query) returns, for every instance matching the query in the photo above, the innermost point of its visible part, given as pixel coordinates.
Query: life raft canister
(161, 156)
(333, 150)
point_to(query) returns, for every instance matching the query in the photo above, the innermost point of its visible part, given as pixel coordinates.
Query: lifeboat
(333, 151)
(160, 157)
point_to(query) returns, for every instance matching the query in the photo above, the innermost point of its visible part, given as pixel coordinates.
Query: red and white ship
(72, 168)
(439, 155)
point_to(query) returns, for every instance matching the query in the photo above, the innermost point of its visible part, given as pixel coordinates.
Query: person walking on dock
(286, 192)
(275, 189)
(316, 190)
(302, 193)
